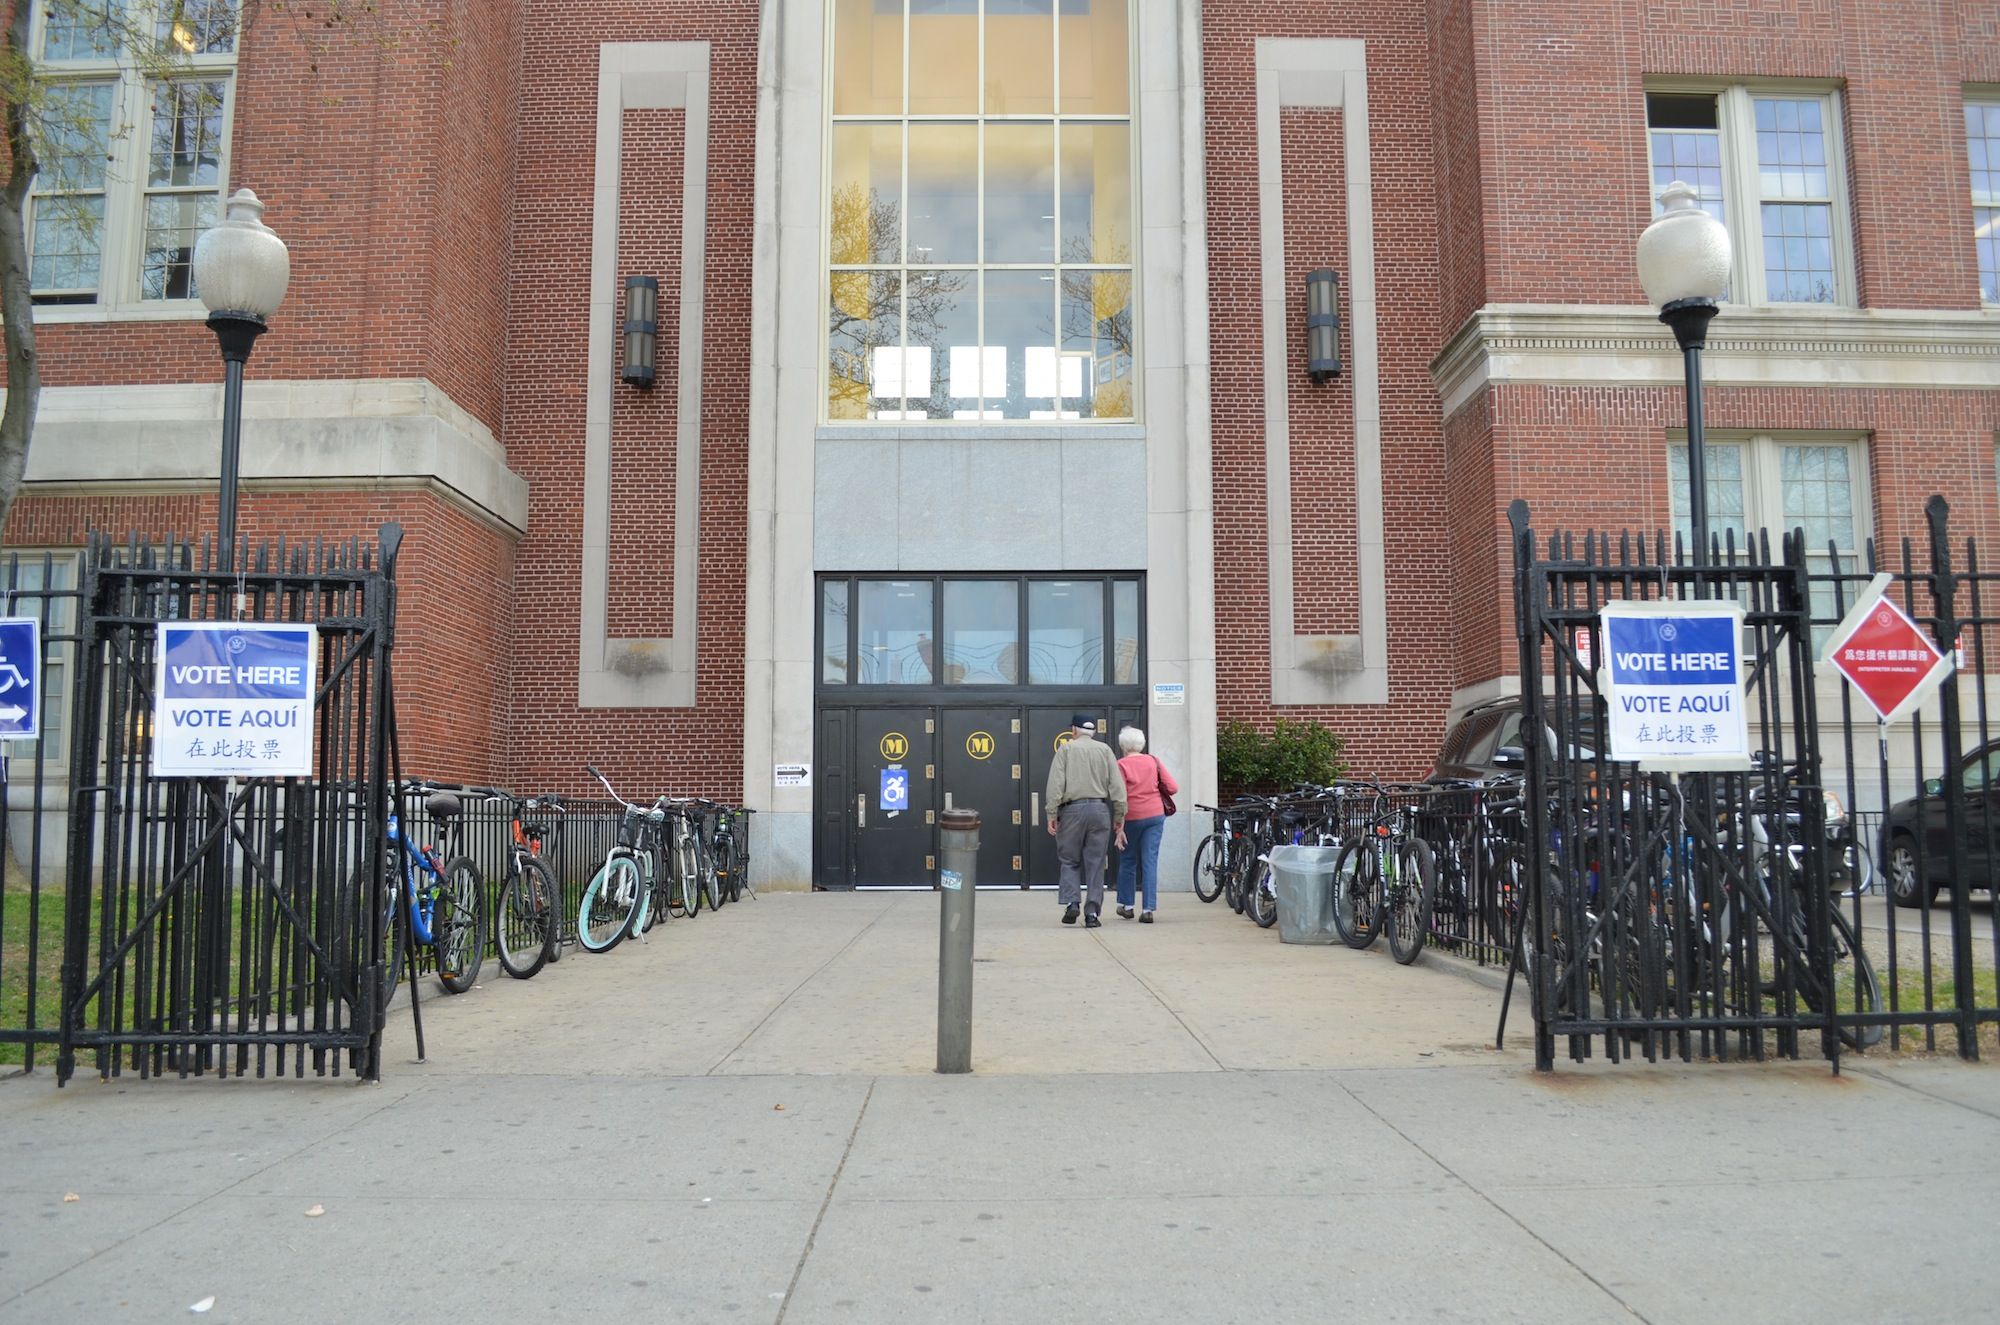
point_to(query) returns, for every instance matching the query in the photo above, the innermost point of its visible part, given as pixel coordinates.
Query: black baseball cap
(1083, 722)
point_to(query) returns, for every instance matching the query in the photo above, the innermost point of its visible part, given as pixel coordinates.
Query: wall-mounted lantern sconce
(642, 328)
(1323, 325)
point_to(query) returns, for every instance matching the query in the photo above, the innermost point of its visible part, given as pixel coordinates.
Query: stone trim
(643, 673)
(358, 434)
(1322, 669)
(1608, 345)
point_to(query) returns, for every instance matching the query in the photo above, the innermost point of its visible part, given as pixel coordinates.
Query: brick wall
(453, 574)
(1562, 141)
(1595, 458)
(697, 750)
(1399, 738)
(644, 455)
(1324, 579)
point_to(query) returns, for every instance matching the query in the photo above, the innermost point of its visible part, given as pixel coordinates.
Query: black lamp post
(241, 270)
(1684, 258)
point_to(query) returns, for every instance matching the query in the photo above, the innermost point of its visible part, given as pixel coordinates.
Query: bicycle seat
(442, 805)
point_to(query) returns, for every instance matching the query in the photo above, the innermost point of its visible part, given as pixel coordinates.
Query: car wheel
(1907, 886)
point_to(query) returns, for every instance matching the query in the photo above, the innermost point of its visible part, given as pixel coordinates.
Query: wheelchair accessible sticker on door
(895, 789)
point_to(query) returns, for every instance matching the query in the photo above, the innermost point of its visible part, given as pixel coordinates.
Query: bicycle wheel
(1261, 897)
(558, 909)
(608, 903)
(520, 923)
(687, 872)
(458, 928)
(388, 896)
(1208, 868)
(1411, 900)
(1855, 988)
(1357, 894)
(652, 912)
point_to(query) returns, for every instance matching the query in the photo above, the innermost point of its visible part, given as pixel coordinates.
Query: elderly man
(1086, 800)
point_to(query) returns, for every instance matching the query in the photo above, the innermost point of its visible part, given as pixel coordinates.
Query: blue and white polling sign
(234, 699)
(895, 789)
(20, 678)
(1672, 679)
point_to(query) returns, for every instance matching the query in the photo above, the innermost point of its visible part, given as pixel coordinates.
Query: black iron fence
(1759, 912)
(212, 924)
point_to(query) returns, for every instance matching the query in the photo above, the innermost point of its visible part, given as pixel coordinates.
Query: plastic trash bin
(1303, 879)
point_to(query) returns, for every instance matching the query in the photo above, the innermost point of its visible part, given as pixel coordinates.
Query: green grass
(14, 944)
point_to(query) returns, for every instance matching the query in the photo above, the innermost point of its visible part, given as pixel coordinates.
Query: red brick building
(979, 391)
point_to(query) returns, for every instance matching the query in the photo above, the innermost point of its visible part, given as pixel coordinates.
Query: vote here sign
(1672, 678)
(234, 699)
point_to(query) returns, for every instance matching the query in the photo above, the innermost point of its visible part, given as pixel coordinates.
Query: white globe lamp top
(240, 266)
(1684, 253)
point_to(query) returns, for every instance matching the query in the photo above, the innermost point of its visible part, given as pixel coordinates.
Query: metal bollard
(960, 881)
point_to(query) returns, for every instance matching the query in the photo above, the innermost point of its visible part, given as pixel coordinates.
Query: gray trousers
(1083, 839)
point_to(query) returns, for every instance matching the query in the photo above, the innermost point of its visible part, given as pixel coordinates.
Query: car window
(1481, 731)
(1982, 771)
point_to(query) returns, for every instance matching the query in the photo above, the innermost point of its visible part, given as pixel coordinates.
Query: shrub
(1290, 753)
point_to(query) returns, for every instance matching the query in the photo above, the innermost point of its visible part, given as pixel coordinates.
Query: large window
(1060, 631)
(980, 233)
(1778, 485)
(1982, 146)
(1767, 165)
(132, 164)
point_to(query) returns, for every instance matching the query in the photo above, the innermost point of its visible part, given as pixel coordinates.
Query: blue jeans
(1142, 855)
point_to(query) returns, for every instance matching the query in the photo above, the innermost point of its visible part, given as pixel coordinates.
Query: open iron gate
(222, 925)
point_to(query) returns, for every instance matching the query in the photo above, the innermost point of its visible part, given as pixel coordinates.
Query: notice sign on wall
(1672, 679)
(234, 699)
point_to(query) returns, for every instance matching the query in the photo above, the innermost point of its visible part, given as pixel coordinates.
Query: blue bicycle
(439, 899)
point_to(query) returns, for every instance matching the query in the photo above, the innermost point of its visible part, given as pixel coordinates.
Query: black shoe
(1069, 916)
(1146, 919)
(1125, 912)
(1091, 921)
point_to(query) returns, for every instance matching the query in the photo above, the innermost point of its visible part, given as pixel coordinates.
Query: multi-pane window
(1063, 631)
(1982, 145)
(1765, 164)
(980, 231)
(1779, 485)
(133, 146)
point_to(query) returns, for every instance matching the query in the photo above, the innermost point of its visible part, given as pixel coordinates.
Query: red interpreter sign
(1887, 656)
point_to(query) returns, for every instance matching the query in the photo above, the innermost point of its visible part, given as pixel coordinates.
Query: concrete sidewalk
(1181, 1121)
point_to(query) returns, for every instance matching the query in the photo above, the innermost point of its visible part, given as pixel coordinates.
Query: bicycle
(527, 923)
(445, 912)
(1215, 857)
(732, 853)
(1384, 879)
(617, 900)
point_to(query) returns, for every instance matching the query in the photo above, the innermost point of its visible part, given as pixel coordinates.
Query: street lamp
(241, 270)
(1684, 265)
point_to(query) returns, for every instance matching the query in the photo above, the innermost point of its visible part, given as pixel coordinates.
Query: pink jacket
(1144, 776)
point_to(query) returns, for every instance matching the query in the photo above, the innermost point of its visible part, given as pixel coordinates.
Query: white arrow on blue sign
(234, 699)
(1672, 680)
(20, 678)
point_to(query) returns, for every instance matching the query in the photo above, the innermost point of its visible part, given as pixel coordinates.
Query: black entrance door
(894, 798)
(979, 761)
(1048, 728)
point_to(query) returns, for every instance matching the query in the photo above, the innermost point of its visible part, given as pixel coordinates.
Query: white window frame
(1763, 478)
(1742, 196)
(1987, 97)
(979, 118)
(122, 240)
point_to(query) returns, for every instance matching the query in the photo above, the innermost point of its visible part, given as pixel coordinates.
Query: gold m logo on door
(895, 746)
(981, 745)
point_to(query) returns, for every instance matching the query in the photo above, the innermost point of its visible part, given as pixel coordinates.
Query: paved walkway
(1184, 1121)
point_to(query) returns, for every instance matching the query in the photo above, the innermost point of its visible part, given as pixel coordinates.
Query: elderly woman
(1145, 819)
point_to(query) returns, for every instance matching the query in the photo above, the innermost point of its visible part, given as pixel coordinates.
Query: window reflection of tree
(989, 664)
(869, 309)
(1097, 313)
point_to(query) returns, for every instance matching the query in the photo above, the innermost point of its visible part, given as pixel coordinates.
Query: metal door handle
(861, 810)
(947, 800)
(1035, 807)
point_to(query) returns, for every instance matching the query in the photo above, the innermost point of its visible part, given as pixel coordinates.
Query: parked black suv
(1916, 845)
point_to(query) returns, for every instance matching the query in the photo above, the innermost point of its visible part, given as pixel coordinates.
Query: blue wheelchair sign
(895, 789)
(20, 678)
